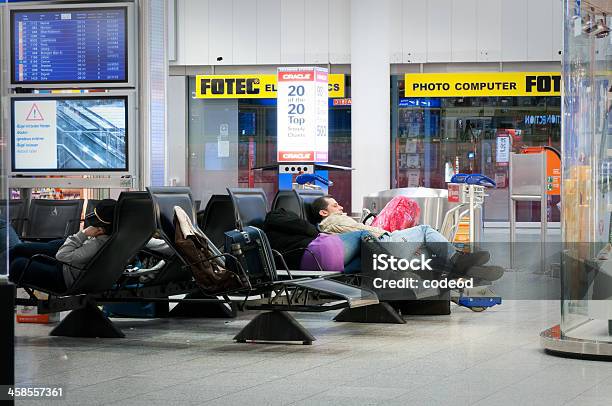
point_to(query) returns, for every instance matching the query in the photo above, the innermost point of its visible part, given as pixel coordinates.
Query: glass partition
(586, 311)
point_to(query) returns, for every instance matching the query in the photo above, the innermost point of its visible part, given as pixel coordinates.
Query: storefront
(232, 134)
(460, 123)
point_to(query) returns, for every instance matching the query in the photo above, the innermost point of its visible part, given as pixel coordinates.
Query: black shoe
(485, 273)
(461, 262)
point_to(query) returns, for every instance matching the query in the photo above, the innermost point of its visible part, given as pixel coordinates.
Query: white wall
(275, 32)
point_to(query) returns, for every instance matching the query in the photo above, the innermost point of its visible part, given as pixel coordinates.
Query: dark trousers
(28, 249)
(40, 272)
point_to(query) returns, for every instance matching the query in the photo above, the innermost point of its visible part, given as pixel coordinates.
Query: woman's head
(103, 215)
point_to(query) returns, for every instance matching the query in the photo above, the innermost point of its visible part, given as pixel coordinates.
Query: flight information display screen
(69, 45)
(63, 134)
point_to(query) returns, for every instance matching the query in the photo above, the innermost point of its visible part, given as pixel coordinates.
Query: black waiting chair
(91, 205)
(165, 198)
(250, 206)
(217, 218)
(16, 213)
(307, 197)
(52, 219)
(288, 200)
(133, 226)
(250, 210)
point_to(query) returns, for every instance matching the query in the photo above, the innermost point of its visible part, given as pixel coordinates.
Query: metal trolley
(462, 225)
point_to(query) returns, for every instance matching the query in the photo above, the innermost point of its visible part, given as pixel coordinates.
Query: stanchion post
(7, 334)
(543, 216)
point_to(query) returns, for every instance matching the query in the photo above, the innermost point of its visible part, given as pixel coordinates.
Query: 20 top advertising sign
(302, 115)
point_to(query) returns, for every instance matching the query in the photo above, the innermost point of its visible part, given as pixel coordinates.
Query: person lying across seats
(333, 220)
(73, 253)
(291, 235)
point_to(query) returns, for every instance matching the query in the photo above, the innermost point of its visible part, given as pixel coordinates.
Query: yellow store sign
(482, 84)
(252, 86)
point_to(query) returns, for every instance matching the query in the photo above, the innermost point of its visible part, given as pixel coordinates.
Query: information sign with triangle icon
(35, 114)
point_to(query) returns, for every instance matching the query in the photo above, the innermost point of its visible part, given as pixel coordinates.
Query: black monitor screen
(246, 122)
(65, 134)
(69, 45)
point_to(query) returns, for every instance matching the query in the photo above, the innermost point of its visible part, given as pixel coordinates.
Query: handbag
(207, 267)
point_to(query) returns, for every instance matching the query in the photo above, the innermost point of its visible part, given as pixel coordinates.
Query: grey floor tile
(274, 393)
(583, 400)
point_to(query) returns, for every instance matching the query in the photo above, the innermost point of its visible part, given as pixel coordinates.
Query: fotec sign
(253, 86)
(482, 84)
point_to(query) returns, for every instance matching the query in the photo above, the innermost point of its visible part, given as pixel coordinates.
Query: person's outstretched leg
(433, 240)
(352, 245)
(28, 249)
(44, 275)
(441, 247)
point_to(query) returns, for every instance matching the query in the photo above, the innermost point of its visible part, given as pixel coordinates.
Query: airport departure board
(69, 45)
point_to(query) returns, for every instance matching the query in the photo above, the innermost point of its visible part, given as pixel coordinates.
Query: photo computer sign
(70, 134)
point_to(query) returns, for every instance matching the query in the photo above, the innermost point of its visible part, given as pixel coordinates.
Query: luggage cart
(463, 226)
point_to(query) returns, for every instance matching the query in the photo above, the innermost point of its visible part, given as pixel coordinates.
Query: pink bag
(400, 213)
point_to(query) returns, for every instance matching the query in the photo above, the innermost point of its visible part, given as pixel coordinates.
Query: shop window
(249, 128)
(431, 138)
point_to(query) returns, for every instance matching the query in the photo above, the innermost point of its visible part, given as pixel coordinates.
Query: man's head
(325, 206)
(102, 216)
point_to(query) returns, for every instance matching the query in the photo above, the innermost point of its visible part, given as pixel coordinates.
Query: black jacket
(287, 231)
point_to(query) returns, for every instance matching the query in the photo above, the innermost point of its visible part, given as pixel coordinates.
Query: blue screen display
(71, 45)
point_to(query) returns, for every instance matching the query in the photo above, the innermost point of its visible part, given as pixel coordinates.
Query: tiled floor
(485, 358)
(489, 358)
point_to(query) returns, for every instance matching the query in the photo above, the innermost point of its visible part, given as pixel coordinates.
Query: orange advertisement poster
(553, 173)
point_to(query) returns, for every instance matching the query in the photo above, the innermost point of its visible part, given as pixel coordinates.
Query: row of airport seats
(140, 215)
(44, 219)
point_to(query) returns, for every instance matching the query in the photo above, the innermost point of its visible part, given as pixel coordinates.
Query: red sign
(454, 191)
(297, 76)
(342, 102)
(295, 156)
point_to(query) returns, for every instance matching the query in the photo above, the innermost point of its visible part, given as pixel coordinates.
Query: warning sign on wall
(35, 138)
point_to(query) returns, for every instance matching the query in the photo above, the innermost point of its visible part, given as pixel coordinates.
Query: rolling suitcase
(251, 248)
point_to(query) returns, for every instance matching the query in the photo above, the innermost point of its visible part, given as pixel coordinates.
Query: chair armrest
(45, 258)
(278, 254)
(367, 217)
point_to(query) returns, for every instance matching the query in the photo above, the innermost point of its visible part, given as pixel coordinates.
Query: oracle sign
(302, 114)
(296, 76)
(295, 156)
